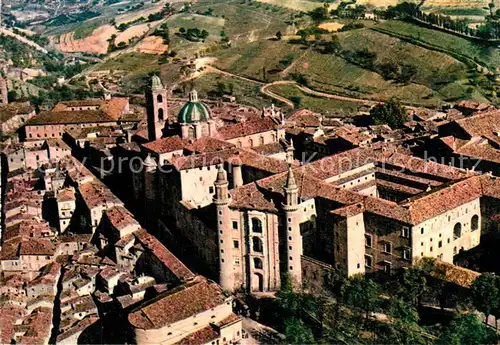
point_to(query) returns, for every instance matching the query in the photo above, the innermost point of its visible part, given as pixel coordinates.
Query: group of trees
(391, 113)
(163, 32)
(193, 34)
(359, 310)
(489, 30)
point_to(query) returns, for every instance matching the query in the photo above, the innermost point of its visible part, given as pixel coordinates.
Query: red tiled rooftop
(247, 128)
(178, 304)
(203, 336)
(165, 145)
(171, 262)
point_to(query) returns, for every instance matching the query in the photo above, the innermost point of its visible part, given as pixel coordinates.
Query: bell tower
(157, 108)
(294, 238)
(222, 199)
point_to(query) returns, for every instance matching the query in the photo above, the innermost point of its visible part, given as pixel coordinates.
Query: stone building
(254, 220)
(197, 312)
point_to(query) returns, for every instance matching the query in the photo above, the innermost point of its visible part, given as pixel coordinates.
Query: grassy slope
(245, 92)
(487, 54)
(336, 107)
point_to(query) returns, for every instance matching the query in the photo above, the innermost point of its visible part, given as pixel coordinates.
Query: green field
(245, 92)
(326, 106)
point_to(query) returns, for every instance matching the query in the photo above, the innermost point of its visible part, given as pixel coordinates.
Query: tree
(361, 294)
(467, 329)
(296, 100)
(279, 35)
(12, 95)
(297, 333)
(485, 293)
(403, 327)
(319, 14)
(182, 30)
(391, 113)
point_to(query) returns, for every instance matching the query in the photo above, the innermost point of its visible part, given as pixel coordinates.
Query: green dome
(194, 112)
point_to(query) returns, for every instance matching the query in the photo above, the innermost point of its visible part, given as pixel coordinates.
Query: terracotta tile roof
(95, 193)
(491, 186)
(269, 149)
(250, 127)
(78, 327)
(177, 304)
(92, 102)
(8, 111)
(203, 336)
(455, 274)
(68, 117)
(446, 197)
(165, 145)
(171, 262)
(115, 107)
(66, 194)
(36, 246)
(207, 144)
(121, 218)
(354, 135)
(251, 197)
(10, 314)
(304, 118)
(483, 124)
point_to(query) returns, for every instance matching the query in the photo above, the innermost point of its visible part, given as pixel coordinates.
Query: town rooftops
(120, 218)
(178, 304)
(95, 194)
(246, 128)
(166, 145)
(69, 117)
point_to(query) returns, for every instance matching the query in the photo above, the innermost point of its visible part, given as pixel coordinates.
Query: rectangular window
(368, 261)
(388, 248)
(406, 254)
(368, 240)
(211, 190)
(387, 267)
(405, 232)
(236, 244)
(235, 225)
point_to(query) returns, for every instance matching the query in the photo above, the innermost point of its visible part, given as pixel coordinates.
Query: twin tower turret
(291, 212)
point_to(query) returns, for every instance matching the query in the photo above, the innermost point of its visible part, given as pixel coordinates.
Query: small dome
(194, 111)
(156, 82)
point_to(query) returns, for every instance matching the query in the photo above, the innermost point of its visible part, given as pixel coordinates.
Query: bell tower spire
(157, 108)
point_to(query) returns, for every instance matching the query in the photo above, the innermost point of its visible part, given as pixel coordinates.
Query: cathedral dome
(194, 110)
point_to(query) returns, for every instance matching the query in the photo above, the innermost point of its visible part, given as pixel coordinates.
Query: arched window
(457, 231)
(191, 132)
(256, 225)
(474, 222)
(240, 144)
(160, 114)
(257, 245)
(261, 140)
(250, 142)
(257, 263)
(159, 98)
